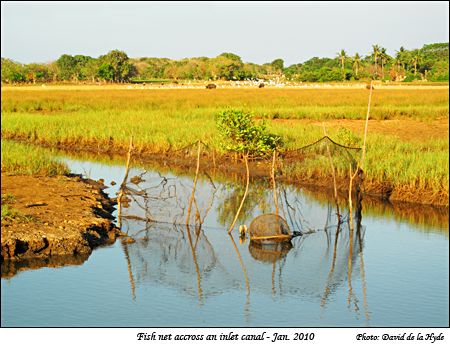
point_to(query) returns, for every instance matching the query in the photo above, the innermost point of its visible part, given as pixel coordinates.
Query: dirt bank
(53, 217)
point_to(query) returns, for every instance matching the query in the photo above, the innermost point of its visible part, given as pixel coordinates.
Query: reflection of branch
(245, 194)
(363, 278)
(274, 267)
(288, 209)
(244, 270)
(197, 268)
(195, 184)
(330, 274)
(209, 207)
(130, 271)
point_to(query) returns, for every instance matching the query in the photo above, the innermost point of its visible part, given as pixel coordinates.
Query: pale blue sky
(257, 31)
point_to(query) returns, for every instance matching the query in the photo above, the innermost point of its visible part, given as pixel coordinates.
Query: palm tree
(342, 55)
(383, 57)
(376, 52)
(416, 58)
(400, 56)
(356, 63)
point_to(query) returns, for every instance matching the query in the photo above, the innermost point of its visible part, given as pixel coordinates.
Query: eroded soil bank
(56, 217)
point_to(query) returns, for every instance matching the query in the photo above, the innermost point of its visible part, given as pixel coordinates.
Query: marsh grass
(166, 120)
(20, 158)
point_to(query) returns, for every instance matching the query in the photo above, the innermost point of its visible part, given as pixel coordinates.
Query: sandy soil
(405, 129)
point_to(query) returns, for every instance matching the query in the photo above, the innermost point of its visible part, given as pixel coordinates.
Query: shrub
(241, 135)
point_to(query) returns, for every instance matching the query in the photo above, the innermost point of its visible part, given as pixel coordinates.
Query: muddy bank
(54, 217)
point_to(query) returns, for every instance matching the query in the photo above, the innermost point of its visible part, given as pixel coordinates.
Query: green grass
(11, 214)
(8, 198)
(20, 158)
(161, 120)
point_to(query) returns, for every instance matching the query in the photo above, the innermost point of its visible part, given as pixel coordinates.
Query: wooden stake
(245, 194)
(124, 183)
(333, 172)
(350, 202)
(363, 157)
(275, 197)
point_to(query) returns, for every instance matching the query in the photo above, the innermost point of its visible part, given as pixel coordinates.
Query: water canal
(393, 271)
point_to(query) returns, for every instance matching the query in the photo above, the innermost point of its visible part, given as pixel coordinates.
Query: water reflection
(269, 253)
(9, 268)
(185, 259)
(171, 248)
(176, 256)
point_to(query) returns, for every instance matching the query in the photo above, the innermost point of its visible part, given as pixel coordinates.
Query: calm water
(393, 271)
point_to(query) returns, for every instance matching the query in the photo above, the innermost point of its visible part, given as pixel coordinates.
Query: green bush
(348, 138)
(241, 135)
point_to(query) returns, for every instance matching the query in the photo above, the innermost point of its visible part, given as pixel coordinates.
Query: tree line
(427, 63)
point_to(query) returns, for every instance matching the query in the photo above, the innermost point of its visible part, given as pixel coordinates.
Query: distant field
(167, 119)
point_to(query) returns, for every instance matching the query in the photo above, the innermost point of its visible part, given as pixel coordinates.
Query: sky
(258, 32)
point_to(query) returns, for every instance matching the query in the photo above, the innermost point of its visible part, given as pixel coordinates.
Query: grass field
(19, 158)
(168, 119)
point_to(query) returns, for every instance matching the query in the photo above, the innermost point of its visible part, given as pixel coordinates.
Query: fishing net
(324, 158)
(183, 199)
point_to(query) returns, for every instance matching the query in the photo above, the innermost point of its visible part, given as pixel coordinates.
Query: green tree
(37, 73)
(90, 70)
(81, 62)
(416, 58)
(67, 67)
(356, 64)
(376, 54)
(106, 72)
(278, 65)
(401, 57)
(231, 56)
(342, 55)
(229, 66)
(384, 58)
(115, 66)
(12, 72)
